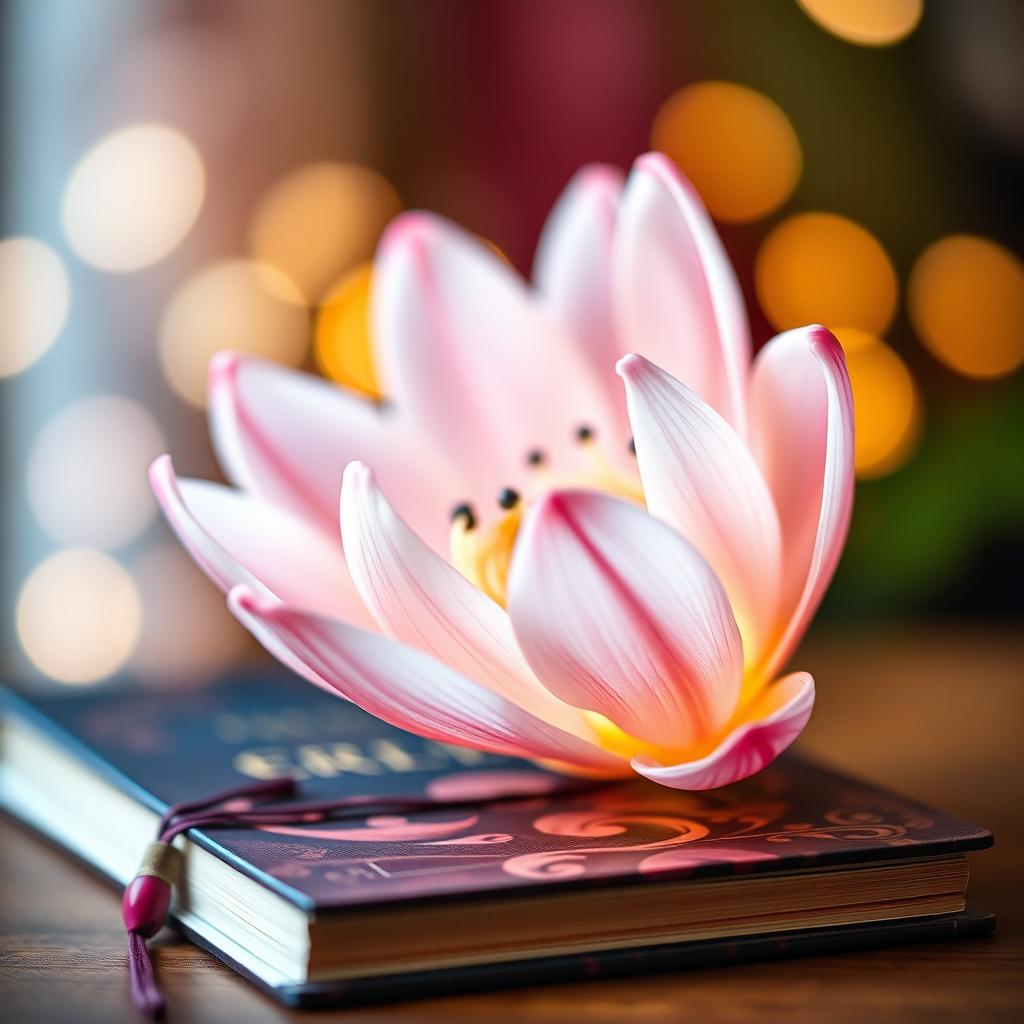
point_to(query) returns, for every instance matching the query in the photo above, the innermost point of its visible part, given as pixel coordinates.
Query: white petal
(802, 423)
(411, 690)
(618, 614)
(700, 478)
(675, 292)
(287, 436)
(777, 718)
(421, 600)
(469, 356)
(238, 538)
(572, 270)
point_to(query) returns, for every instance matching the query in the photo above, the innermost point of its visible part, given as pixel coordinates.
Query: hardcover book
(514, 876)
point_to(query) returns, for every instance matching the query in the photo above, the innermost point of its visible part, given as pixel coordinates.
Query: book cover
(166, 747)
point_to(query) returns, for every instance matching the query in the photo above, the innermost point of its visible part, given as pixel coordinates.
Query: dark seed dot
(508, 498)
(464, 511)
(535, 457)
(584, 433)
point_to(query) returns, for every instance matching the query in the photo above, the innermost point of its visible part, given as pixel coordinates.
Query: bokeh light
(343, 342)
(133, 197)
(238, 304)
(86, 472)
(966, 301)
(886, 404)
(320, 221)
(868, 22)
(78, 616)
(187, 631)
(34, 299)
(735, 145)
(822, 268)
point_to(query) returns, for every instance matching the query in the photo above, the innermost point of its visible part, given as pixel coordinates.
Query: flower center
(483, 553)
(617, 741)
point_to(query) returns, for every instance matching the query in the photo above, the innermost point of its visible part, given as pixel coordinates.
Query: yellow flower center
(617, 741)
(483, 553)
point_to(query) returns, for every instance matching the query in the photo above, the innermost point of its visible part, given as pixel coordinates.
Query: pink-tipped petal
(802, 429)
(287, 437)
(776, 719)
(676, 296)
(572, 270)
(618, 614)
(421, 600)
(788, 426)
(411, 690)
(236, 537)
(700, 478)
(472, 359)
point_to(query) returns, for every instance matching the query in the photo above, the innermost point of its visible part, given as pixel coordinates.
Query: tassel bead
(147, 898)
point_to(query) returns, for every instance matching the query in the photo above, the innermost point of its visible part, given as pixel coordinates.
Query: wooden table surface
(935, 713)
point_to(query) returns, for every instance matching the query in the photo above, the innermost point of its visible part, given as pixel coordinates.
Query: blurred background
(182, 176)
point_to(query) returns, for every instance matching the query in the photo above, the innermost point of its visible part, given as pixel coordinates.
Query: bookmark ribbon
(146, 901)
(147, 898)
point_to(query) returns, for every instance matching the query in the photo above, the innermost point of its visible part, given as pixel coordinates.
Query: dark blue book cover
(162, 748)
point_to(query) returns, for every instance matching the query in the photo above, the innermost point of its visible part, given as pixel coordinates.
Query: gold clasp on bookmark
(161, 860)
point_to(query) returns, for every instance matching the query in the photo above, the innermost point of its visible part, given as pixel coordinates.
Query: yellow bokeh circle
(966, 301)
(867, 22)
(133, 197)
(886, 404)
(320, 220)
(823, 268)
(35, 294)
(343, 342)
(736, 146)
(241, 305)
(78, 616)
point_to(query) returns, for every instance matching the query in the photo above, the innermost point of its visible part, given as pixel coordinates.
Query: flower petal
(236, 537)
(287, 436)
(472, 360)
(700, 478)
(802, 429)
(776, 719)
(421, 600)
(618, 614)
(788, 425)
(572, 270)
(411, 690)
(676, 296)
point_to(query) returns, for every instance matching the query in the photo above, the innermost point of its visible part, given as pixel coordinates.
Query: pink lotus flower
(612, 613)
